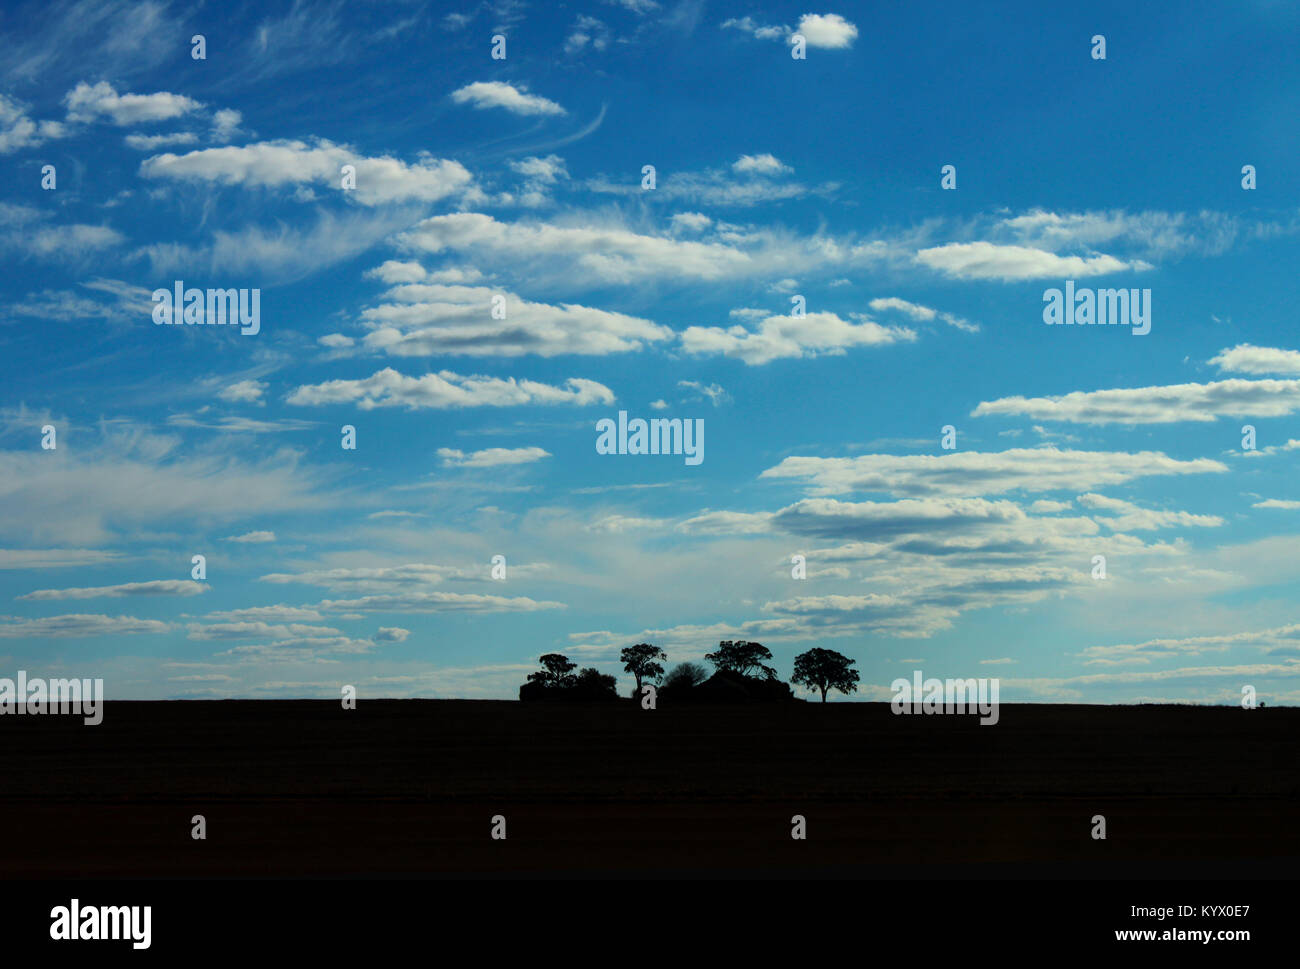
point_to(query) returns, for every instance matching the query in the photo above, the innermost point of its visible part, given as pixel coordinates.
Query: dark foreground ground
(410, 787)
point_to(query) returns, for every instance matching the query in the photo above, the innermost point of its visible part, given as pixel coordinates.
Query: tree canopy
(825, 669)
(643, 662)
(744, 658)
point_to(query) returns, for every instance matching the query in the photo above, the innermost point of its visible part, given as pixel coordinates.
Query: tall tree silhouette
(558, 671)
(825, 669)
(742, 657)
(642, 661)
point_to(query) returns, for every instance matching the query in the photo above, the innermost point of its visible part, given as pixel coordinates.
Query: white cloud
(498, 94)
(491, 457)
(28, 232)
(760, 165)
(691, 222)
(53, 558)
(126, 481)
(424, 319)
(158, 587)
(78, 626)
(549, 169)
(587, 32)
(256, 629)
(1157, 405)
(152, 142)
(786, 336)
(225, 124)
(750, 26)
(88, 102)
(270, 614)
(612, 254)
(251, 538)
(1131, 517)
(444, 390)
(984, 260)
(714, 393)
(274, 164)
(748, 181)
(983, 473)
(1280, 638)
(282, 254)
(830, 31)
(244, 392)
(618, 524)
(1245, 358)
(921, 313)
(1152, 234)
(1280, 503)
(438, 602)
(18, 130)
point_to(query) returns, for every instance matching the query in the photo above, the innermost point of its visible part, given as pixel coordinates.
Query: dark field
(410, 787)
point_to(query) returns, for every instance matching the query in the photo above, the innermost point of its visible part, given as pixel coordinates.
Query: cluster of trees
(742, 672)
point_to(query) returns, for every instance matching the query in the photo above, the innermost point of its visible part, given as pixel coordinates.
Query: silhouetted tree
(557, 681)
(558, 671)
(683, 676)
(592, 684)
(825, 669)
(641, 661)
(742, 657)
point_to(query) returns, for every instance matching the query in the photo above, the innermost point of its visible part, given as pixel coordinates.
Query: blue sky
(775, 178)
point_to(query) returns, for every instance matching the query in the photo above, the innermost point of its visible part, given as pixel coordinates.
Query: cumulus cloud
(427, 319)
(782, 336)
(1245, 358)
(1156, 405)
(253, 538)
(444, 390)
(268, 614)
(19, 130)
(274, 164)
(78, 626)
(609, 254)
(983, 473)
(761, 165)
(93, 102)
(412, 575)
(154, 142)
(437, 602)
(498, 94)
(921, 313)
(158, 587)
(829, 31)
(243, 392)
(985, 260)
(1267, 640)
(1131, 517)
(256, 629)
(492, 457)
(549, 169)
